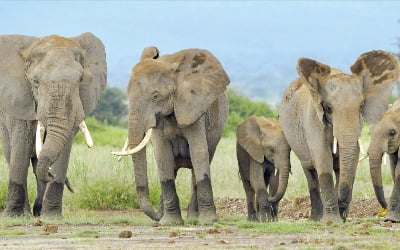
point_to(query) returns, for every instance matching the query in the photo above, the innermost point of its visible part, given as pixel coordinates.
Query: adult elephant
(385, 138)
(262, 150)
(47, 85)
(324, 104)
(181, 98)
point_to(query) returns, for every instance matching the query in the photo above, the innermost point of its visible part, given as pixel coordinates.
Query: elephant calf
(385, 138)
(261, 148)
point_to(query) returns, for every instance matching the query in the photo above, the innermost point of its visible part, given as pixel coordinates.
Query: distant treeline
(112, 109)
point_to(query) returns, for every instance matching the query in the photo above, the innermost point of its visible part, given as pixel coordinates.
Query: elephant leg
(394, 207)
(198, 147)
(40, 189)
(166, 170)
(193, 207)
(315, 195)
(20, 137)
(53, 195)
(273, 181)
(250, 198)
(258, 183)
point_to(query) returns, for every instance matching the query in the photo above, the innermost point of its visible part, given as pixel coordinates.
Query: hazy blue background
(257, 42)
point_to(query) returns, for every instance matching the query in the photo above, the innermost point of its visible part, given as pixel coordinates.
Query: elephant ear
(16, 91)
(150, 52)
(379, 71)
(200, 80)
(249, 137)
(95, 70)
(313, 73)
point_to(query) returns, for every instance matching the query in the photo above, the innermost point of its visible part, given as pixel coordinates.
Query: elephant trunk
(136, 134)
(57, 133)
(283, 166)
(60, 114)
(348, 156)
(375, 164)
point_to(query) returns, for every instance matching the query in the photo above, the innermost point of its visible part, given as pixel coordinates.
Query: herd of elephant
(178, 102)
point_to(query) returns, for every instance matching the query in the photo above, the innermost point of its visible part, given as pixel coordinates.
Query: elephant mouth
(41, 136)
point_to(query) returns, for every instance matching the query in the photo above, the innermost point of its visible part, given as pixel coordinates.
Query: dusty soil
(298, 208)
(225, 235)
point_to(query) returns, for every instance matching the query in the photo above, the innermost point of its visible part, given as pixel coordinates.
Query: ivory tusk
(362, 151)
(334, 145)
(124, 148)
(85, 131)
(39, 138)
(362, 158)
(139, 147)
(385, 155)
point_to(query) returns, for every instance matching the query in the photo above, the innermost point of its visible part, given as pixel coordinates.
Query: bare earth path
(101, 229)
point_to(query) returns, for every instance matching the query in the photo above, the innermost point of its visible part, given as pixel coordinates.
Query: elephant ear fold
(95, 70)
(379, 71)
(200, 80)
(249, 137)
(313, 73)
(16, 91)
(150, 52)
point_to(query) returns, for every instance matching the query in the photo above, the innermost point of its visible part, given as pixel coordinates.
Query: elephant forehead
(57, 41)
(343, 87)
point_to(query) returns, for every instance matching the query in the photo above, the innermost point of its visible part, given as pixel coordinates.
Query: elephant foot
(393, 216)
(315, 217)
(15, 204)
(208, 217)
(171, 220)
(15, 213)
(326, 218)
(252, 217)
(51, 214)
(192, 215)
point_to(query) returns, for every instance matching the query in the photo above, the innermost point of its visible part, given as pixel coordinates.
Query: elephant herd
(178, 102)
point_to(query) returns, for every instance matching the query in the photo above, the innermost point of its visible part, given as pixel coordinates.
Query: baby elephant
(261, 149)
(385, 138)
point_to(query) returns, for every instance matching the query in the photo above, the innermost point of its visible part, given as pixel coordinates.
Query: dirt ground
(223, 235)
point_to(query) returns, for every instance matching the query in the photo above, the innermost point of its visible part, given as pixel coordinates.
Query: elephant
(262, 148)
(179, 102)
(48, 86)
(385, 139)
(321, 113)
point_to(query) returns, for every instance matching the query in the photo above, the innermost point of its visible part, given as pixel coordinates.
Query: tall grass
(101, 182)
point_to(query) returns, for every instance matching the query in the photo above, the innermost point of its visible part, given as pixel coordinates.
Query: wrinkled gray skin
(385, 138)
(56, 81)
(182, 97)
(262, 150)
(325, 102)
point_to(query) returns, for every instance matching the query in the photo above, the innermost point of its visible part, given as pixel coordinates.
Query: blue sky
(257, 42)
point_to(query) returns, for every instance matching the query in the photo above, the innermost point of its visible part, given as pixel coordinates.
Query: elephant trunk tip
(277, 197)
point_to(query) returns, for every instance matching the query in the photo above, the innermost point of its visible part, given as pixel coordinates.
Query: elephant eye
(327, 109)
(392, 133)
(156, 97)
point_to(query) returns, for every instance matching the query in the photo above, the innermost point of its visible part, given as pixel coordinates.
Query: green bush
(241, 107)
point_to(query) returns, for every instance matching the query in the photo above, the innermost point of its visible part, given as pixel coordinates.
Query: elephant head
(263, 139)
(183, 85)
(385, 138)
(54, 80)
(342, 100)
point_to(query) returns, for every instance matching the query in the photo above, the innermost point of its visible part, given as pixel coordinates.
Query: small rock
(329, 222)
(213, 231)
(282, 243)
(223, 241)
(388, 223)
(171, 241)
(295, 241)
(37, 223)
(173, 234)
(50, 228)
(125, 234)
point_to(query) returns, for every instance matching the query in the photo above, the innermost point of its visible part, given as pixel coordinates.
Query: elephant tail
(68, 184)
